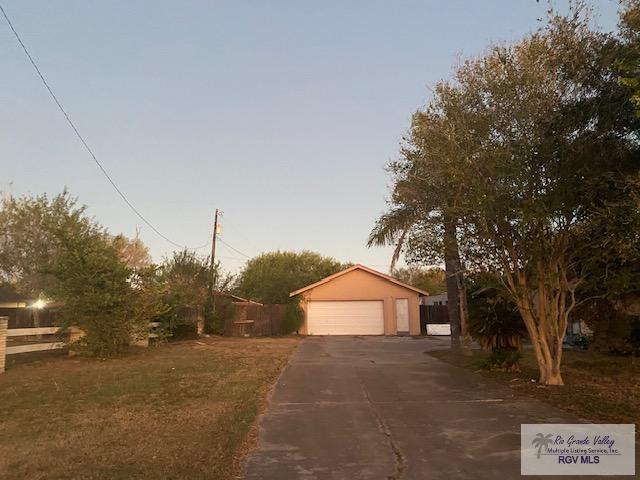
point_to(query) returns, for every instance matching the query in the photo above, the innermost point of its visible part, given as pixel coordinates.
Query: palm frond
(390, 227)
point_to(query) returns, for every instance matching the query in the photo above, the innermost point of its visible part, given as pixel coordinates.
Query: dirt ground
(180, 410)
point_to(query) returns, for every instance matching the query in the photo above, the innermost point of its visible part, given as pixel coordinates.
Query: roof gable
(388, 278)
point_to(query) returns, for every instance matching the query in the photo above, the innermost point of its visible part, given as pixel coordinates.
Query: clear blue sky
(283, 114)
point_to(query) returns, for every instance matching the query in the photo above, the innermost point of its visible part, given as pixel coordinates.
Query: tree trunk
(464, 315)
(463, 311)
(451, 264)
(546, 334)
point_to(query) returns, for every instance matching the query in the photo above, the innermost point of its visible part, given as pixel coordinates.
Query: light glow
(39, 304)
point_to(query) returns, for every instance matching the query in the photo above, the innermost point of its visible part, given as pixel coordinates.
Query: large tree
(629, 52)
(133, 252)
(422, 221)
(30, 238)
(50, 248)
(544, 150)
(538, 144)
(270, 277)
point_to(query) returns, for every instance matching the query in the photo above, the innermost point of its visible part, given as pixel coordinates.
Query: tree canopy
(270, 277)
(31, 238)
(431, 280)
(629, 52)
(531, 151)
(105, 285)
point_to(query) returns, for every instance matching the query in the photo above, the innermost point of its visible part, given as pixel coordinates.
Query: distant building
(25, 312)
(440, 299)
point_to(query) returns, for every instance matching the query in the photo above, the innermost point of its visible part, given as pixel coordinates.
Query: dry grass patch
(178, 411)
(598, 388)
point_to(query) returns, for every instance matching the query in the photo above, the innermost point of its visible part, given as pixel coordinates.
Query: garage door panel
(345, 318)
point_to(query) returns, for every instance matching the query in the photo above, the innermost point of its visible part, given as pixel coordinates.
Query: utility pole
(214, 274)
(213, 250)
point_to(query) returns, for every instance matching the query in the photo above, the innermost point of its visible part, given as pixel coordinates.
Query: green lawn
(598, 388)
(180, 411)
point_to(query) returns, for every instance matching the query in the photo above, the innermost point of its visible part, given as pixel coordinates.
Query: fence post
(75, 334)
(141, 340)
(4, 322)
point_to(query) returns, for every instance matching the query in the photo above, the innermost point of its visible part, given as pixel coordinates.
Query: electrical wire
(208, 244)
(234, 258)
(93, 155)
(83, 141)
(227, 224)
(233, 248)
(204, 245)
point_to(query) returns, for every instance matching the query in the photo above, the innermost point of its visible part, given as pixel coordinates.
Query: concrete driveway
(380, 408)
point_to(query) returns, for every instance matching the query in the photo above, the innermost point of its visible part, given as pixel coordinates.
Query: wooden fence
(36, 342)
(37, 332)
(254, 320)
(33, 347)
(434, 320)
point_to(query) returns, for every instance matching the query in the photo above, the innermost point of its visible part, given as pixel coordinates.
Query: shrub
(494, 322)
(503, 359)
(216, 317)
(188, 281)
(582, 341)
(612, 329)
(185, 277)
(93, 285)
(293, 318)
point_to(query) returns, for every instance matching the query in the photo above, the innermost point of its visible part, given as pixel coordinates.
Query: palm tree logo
(542, 441)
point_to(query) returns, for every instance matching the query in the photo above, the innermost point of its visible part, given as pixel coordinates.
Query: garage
(345, 318)
(359, 301)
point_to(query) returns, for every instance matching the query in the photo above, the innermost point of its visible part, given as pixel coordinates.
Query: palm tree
(392, 229)
(542, 441)
(418, 204)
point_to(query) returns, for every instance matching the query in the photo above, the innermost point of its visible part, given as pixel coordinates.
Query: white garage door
(345, 318)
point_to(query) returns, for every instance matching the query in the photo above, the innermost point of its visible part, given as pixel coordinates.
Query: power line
(235, 228)
(206, 245)
(233, 258)
(216, 236)
(81, 138)
(233, 248)
(201, 246)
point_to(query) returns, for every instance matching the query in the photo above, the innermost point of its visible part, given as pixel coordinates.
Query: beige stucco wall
(361, 285)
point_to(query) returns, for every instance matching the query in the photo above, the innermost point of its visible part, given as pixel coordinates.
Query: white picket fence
(74, 334)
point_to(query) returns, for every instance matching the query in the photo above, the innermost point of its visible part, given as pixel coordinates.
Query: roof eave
(358, 267)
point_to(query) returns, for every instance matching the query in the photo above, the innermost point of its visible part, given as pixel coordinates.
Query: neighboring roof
(438, 296)
(9, 294)
(389, 278)
(234, 297)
